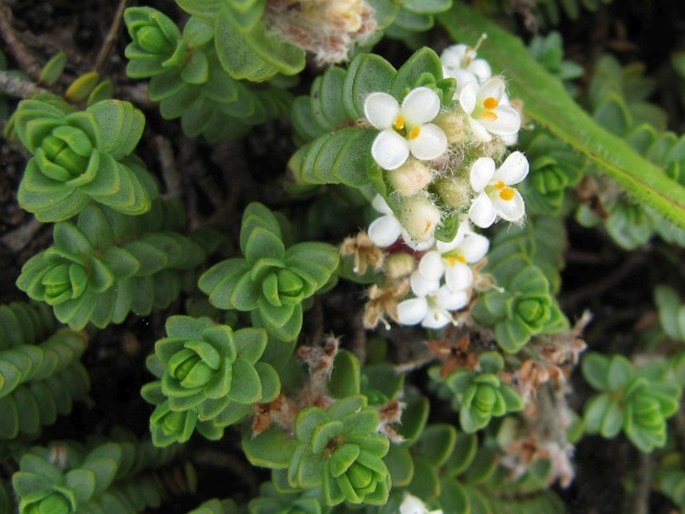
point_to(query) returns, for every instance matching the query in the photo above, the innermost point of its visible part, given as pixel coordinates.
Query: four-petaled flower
(488, 110)
(460, 63)
(496, 198)
(405, 128)
(452, 260)
(433, 309)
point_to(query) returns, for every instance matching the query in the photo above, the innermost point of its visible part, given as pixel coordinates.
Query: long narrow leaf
(545, 102)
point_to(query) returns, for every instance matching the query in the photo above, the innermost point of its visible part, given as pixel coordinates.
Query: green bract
(209, 378)
(270, 281)
(628, 401)
(339, 449)
(81, 157)
(90, 273)
(480, 395)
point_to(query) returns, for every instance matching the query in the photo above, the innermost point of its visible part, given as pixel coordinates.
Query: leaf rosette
(339, 449)
(480, 395)
(640, 405)
(210, 376)
(80, 157)
(157, 44)
(270, 281)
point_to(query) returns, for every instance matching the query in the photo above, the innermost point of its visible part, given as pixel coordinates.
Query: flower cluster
(445, 166)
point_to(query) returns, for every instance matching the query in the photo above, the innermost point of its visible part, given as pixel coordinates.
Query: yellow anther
(499, 184)
(490, 103)
(489, 115)
(453, 259)
(507, 193)
(415, 132)
(398, 124)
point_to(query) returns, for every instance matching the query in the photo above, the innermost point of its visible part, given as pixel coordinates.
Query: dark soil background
(217, 182)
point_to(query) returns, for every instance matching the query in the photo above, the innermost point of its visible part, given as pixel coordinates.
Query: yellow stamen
(490, 103)
(398, 124)
(489, 115)
(507, 193)
(415, 132)
(453, 259)
(499, 184)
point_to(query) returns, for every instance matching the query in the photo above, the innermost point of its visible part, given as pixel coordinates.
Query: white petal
(464, 77)
(467, 97)
(381, 109)
(384, 231)
(482, 172)
(513, 170)
(436, 318)
(418, 246)
(381, 205)
(474, 247)
(481, 69)
(430, 266)
(452, 300)
(479, 131)
(482, 212)
(421, 105)
(413, 311)
(452, 56)
(458, 277)
(507, 123)
(510, 210)
(389, 150)
(422, 286)
(412, 505)
(430, 144)
(493, 87)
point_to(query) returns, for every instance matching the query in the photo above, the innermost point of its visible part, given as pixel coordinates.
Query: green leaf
(436, 443)
(422, 61)
(271, 448)
(366, 74)
(82, 482)
(246, 386)
(121, 126)
(345, 376)
(547, 103)
(595, 368)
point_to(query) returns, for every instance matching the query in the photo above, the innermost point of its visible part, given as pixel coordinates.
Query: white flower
(451, 260)
(460, 63)
(413, 505)
(433, 309)
(384, 231)
(488, 110)
(496, 197)
(405, 129)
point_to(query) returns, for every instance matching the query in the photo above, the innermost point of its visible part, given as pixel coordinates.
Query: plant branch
(111, 36)
(26, 60)
(18, 87)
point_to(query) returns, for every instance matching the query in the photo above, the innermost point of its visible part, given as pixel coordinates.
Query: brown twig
(111, 36)
(26, 60)
(172, 177)
(16, 86)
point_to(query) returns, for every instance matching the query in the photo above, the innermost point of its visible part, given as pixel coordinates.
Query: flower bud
(399, 265)
(455, 192)
(454, 126)
(419, 217)
(410, 178)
